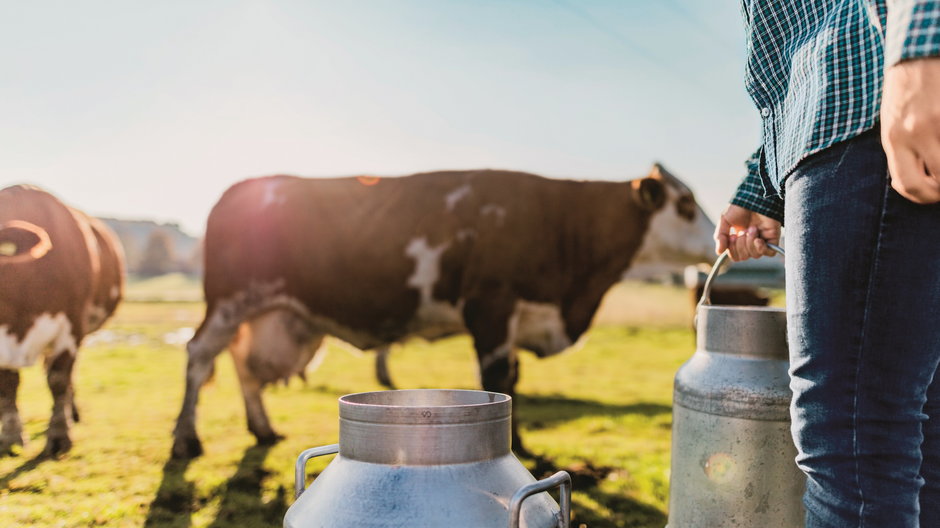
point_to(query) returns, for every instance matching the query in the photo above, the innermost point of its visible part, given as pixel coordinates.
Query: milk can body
(732, 451)
(423, 458)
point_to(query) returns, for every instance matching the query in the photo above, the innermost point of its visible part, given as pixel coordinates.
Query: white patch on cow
(672, 241)
(433, 318)
(505, 350)
(427, 265)
(271, 195)
(541, 327)
(498, 211)
(48, 336)
(115, 292)
(453, 197)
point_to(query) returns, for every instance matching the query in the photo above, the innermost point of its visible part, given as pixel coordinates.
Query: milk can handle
(300, 468)
(707, 290)
(562, 480)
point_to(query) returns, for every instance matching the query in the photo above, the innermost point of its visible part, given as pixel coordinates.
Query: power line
(616, 35)
(626, 42)
(696, 23)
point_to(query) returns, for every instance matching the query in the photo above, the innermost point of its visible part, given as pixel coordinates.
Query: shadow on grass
(540, 411)
(618, 511)
(26, 467)
(624, 512)
(173, 505)
(242, 503)
(601, 509)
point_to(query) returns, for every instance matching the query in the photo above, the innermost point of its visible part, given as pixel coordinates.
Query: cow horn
(11, 251)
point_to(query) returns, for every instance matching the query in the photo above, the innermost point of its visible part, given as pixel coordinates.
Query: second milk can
(732, 452)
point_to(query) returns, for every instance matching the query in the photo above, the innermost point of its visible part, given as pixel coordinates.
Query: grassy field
(601, 412)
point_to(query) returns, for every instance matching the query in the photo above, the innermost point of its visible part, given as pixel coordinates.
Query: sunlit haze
(150, 110)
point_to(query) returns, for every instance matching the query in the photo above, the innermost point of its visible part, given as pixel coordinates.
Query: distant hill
(156, 248)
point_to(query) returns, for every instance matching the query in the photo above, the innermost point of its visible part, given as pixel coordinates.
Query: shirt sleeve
(913, 30)
(751, 195)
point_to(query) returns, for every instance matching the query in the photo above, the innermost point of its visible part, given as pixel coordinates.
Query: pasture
(601, 412)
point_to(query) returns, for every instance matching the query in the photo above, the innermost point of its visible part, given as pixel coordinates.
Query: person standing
(849, 95)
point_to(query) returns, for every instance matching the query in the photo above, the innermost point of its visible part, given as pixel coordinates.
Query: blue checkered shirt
(814, 71)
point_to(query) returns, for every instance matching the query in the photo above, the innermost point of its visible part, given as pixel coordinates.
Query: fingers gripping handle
(561, 480)
(300, 468)
(707, 290)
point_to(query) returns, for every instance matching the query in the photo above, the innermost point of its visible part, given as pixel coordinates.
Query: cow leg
(211, 338)
(258, 422)
(500, 374)
(381, 367)
(493, 327)
(11, 433)
(59, 378)
(271, 347)
(251, 385)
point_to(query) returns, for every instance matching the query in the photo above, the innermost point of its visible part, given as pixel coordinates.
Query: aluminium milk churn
(732, 453)
(425, 458)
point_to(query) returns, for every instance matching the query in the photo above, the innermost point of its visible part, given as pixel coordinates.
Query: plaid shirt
(814, 70)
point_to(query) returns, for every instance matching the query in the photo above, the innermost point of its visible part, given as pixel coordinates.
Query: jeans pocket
(830, 160)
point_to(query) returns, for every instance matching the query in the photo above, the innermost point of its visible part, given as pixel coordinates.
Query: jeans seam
(861, 347)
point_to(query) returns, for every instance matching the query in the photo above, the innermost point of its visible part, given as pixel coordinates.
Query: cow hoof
(186, 448)
(270, 439)
(57, 445)
(11, 449)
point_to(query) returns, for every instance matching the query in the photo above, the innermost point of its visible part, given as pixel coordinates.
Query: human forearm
(910, 108)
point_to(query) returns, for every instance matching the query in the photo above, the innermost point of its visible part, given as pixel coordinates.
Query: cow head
(679, 232)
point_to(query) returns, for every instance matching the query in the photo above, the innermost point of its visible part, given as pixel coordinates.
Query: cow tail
(22, 241)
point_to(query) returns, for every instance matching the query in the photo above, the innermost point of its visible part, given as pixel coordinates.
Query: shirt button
(765, 112)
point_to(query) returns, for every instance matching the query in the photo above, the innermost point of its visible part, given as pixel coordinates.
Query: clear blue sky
(152, 109)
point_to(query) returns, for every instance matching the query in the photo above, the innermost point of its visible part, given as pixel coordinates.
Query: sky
(150, 110)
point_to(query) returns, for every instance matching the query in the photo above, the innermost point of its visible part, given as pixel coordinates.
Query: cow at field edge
(514, 259)
(61, 277)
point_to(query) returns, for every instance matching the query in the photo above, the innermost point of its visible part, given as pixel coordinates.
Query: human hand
(910, 128)
(745, 233)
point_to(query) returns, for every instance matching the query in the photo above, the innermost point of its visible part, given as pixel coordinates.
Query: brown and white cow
(61, 277)
(514, 259)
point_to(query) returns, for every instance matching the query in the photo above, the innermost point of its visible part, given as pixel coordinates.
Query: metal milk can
(425, 458)
(732, 453)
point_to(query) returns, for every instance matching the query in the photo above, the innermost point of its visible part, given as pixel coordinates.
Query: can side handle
(707, 289)
(561, 480)
(300, 468)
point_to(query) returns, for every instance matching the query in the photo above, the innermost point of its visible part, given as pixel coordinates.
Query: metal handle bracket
(300, 468)
(561, 480)
(707, 289)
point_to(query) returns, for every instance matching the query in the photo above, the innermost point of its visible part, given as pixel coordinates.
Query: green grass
(169, 287)
(601, 412)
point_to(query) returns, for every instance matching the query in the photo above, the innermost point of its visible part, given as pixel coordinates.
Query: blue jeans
(863, 308)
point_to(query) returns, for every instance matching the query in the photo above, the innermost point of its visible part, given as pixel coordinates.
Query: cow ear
(650, 193)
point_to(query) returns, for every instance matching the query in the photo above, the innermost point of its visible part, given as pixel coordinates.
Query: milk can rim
(497, 398)
(500, 408)
(735, 308)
